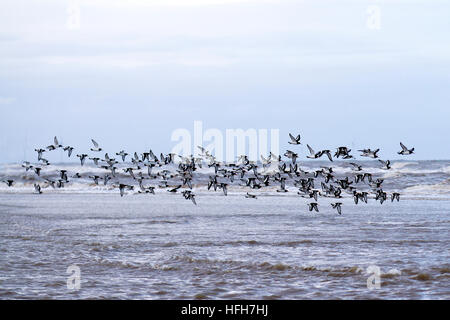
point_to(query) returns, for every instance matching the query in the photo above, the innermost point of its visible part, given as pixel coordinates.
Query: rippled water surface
(163, 247)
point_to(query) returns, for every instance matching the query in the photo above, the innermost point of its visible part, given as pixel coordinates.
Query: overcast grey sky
(136, 70)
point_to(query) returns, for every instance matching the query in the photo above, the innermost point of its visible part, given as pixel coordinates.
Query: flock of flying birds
(243, 172)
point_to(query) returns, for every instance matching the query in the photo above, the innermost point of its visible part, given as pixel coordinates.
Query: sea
(85, 241)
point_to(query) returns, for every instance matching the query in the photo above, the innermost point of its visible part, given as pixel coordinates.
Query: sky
(366, 74)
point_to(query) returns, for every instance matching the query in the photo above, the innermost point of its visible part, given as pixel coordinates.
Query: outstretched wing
(55, 140)
(95, 143)
(292, 137)
(311, 150)
(403, 147)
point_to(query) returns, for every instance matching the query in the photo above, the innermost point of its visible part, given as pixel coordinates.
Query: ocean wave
(442, 188)
(414, 178)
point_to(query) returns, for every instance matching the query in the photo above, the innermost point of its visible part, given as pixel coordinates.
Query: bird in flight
(96, 147)
(294, 140)
(405, 151)
(337, 206)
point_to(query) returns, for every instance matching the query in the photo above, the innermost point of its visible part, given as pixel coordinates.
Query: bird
(146, 189)
(294, 140)
(37, 170)
(292, 155)
(122, 154)
(356, 167)
(175, 189)
(344, 152)
(327, 153)
(95, 178)
(380, 195)
(386, 164)
(26, 165)
(95, 160)
(39, 152)
(313, 206)
(250, 196)
(9, 183)
(50, 183)
(55, 144)
(395, 196)
(45, 162)
(405, 151)
(314, 194)
(69, 150)
(122, 188)
(37, 188)
(96, 147)
(369, 153)
(63, 175)
(82, 158)
(188, 195)
(337, 206)
(223, 186)
(312, 154)
(130, 171)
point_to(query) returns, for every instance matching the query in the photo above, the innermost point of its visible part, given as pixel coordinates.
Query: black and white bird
(95, 179)
(122, 154)
(313, 206)
(294, 140)
(337, 206)
(37, 188)
(224, 188)
(69, 150)
(327, 153)
(96, 147)
(146, 189)
(369, 153)
(356, 167)
(386, 164)
(344, 152)
(55, 144)
(174, 189)
(37, 170)
(405, 151)
(39, 152)
(122, 188)
(312, 154)
(292, 155)
(395, 196)
(250, 196)
(95, 160)
(82, 158)
(188, 195)
(26, 165)
(9, 183)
